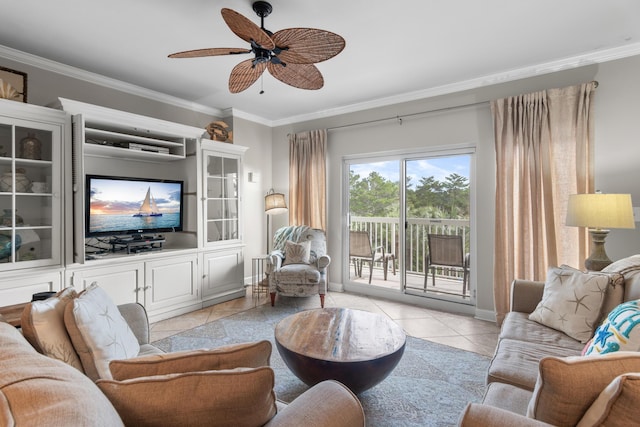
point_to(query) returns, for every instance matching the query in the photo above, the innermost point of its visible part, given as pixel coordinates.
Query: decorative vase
(5, 245)
(6, 181)
(30, 147)
(23, 184)
(6, 219)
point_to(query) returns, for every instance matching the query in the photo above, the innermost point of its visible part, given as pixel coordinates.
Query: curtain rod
(437, 110)
(400, 117)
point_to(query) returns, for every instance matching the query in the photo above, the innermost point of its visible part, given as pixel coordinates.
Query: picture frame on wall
(13, 84)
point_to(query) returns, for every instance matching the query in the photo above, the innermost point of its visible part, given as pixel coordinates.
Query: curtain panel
(307, 178)
(544, 153)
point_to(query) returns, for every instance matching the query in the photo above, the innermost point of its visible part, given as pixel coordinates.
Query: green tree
(457, 195)
(373, 195)
(430, 198)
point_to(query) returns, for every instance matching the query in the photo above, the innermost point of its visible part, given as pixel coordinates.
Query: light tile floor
(450, 329)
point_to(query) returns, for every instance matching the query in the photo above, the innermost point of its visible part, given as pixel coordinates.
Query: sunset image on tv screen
(123, 205)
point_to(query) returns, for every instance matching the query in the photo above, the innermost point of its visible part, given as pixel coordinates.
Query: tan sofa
(538, 377)
(232, 385)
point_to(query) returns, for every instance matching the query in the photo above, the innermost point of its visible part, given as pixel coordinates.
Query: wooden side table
(258, 275)
(12, 313)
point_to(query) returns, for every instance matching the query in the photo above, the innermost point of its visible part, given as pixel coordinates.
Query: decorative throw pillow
(624, 265)
(238, 397)
(36, 390)
(296, 253)
(614, 295)
(43, 326)
(619, 331)
(98, 332)
(249, 355)
(630, 268)
(615, 291)
(617, 405)
(567, 386)
(571, 302)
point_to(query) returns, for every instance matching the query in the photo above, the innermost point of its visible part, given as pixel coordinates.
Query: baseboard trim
(335, 287)
(488, 315)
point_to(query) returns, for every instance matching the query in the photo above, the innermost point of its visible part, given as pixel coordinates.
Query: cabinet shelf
(118, 136)
(26, 162)
(128, 153)
(105, 132)
(101, 142)
(8, 193)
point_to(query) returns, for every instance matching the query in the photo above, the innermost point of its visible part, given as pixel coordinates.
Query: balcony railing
(385, 232)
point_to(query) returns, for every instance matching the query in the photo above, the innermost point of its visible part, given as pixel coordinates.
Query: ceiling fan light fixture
(288, 54)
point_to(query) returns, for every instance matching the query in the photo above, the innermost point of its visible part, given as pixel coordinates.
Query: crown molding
(88, 76)
(589, 58)
(251, 117)
(576, 61)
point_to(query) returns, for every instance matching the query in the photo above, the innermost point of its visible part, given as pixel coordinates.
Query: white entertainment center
(171, 272)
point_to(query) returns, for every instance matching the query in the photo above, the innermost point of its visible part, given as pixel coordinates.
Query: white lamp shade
(274, 203)
(600, 211)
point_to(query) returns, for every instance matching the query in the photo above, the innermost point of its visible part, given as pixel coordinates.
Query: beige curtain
(544, 150)
(307, 178)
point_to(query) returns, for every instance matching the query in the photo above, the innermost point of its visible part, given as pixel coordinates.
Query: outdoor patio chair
(446, 251)
(360, 251)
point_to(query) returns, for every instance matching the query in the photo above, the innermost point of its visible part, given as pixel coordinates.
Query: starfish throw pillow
(571, 302)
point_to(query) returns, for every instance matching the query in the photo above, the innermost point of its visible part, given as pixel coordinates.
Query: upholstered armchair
(297, 267)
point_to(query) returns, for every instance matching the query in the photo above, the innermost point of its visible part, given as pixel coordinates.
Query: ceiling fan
(288, 54)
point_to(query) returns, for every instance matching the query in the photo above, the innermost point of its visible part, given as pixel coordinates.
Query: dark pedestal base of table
(358, 376)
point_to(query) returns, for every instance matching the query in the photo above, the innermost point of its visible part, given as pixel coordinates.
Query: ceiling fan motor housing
(262, 8)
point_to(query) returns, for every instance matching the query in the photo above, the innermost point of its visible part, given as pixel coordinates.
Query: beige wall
(257, 160)
(617, 153)
(45, 87)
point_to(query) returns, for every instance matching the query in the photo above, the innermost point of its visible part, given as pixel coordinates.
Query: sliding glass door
(373, 231)
(437, 231)
(399, 208)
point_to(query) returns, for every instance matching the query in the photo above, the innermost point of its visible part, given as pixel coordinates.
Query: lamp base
(598, 258)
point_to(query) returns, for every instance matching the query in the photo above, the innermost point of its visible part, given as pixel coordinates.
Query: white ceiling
(395, 51)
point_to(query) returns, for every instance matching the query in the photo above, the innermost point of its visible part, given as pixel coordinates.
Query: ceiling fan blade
(307, 45)
(244, 75)
(302, 76)
(246, 30)
(215, 51)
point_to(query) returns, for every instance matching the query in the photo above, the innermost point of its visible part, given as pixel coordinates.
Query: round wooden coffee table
(355, 347)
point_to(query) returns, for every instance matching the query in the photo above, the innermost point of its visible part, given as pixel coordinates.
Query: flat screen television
(132, 206)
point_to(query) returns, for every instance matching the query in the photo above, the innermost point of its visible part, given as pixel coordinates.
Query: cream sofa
(538, 377)
(232, 385)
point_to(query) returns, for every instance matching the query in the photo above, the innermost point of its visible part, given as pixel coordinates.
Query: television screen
(119, 205)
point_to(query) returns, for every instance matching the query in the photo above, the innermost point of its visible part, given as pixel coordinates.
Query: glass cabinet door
(222, 197)
(28, 156)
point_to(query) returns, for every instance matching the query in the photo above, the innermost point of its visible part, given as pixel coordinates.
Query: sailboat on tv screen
(149, 207)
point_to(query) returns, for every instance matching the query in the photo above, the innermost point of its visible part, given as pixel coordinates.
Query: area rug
(430, 386)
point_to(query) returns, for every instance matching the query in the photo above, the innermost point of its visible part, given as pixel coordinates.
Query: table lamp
(599, 212)
(274, 204)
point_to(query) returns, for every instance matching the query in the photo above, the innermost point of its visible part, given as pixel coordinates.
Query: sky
(121, 197)
(438, 167)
